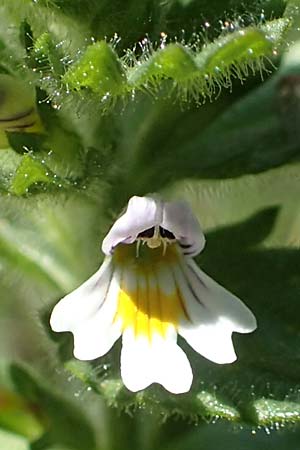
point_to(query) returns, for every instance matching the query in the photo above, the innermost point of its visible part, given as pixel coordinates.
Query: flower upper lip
(145, 213)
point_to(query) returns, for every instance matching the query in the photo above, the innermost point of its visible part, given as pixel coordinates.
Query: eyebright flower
(149, 289)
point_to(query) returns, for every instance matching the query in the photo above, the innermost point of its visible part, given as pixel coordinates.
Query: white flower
(149, 289)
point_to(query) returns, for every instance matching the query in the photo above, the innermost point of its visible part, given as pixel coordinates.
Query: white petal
(83, 301)
(161, 361)
(95, 336)
(142, 213)
(216, 299)
(180, 220)
(214, 314)
(213, 341)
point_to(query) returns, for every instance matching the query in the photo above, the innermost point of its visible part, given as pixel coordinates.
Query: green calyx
(98, 69)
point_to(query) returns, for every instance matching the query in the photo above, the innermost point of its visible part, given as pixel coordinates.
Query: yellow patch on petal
(143, 304)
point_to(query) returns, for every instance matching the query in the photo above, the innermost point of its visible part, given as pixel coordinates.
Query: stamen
(138, 244)
(165, 245)
(155, 237)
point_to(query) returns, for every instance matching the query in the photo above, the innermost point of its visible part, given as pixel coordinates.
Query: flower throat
(154, 237)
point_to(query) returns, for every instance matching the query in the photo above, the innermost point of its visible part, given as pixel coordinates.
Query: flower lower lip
(149, 300)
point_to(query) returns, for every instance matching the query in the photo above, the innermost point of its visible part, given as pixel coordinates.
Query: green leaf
(227, 138)
(174, 61)
(66, 424)
(37, 244)
(98, 69)
(9, 161)
(243, 46)
(215, 435)
(70, 33)
(30, 172)
(46, 53)
(195, 74)
(18, 416)
(269, 411)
